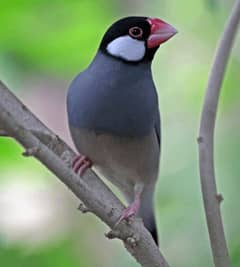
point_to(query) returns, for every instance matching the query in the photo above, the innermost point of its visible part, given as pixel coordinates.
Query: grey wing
(158, 128)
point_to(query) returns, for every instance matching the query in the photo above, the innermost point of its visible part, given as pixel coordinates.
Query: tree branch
(50, 150)
(206, 141)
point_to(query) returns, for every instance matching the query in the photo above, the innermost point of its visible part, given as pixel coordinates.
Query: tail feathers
(147, 214)
(150, 224)
(146, 211)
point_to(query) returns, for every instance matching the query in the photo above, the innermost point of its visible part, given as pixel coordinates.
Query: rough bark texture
(18, 122)
(206, 142)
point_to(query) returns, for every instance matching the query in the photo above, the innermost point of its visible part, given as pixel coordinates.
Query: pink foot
(80, 164)
(130, 211)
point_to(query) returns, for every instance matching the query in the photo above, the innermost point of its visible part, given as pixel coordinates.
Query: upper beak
(160, 32)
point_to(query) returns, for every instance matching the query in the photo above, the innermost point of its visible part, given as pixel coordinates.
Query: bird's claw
(129, 212)
(80, 164)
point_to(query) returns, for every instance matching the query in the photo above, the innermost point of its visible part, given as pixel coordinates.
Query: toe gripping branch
(80, 164)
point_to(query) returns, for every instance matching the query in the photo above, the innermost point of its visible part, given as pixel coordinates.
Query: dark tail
(150, 224)
(147, 214)
(153, 230)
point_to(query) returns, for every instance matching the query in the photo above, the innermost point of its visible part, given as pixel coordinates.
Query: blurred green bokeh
(43, 45)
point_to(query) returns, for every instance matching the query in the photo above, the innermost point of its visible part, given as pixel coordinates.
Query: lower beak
(160, 32)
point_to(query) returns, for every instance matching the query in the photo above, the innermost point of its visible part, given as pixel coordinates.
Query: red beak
(160, 32)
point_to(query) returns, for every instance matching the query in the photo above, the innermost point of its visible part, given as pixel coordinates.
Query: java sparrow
(113, 113)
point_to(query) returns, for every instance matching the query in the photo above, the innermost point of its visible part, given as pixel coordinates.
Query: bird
(113, 113)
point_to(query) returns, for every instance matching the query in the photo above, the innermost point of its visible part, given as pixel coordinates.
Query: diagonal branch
(206, 141)
(52, 152)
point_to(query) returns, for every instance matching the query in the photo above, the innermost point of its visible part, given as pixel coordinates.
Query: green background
(43, 45)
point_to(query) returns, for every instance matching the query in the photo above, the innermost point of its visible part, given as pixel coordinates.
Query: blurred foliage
(44, 41)
(51, 36)
(57, 255)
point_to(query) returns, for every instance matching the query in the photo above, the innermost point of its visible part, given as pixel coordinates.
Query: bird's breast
(121, 111)
(113, 97)
(120, 159)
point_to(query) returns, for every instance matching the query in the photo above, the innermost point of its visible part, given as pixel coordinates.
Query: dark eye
(135, 32)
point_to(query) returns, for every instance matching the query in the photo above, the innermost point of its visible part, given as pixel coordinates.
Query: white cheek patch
(127, 48)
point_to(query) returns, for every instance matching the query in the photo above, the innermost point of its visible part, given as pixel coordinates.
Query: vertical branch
(206, 141)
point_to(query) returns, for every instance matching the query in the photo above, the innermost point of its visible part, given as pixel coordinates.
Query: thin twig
(206, 141)
(21, 124)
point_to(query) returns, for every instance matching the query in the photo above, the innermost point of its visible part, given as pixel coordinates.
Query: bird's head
(136, 39)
